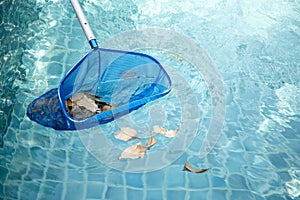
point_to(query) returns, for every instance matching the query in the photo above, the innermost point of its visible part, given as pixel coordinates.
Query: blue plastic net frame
(107, 66)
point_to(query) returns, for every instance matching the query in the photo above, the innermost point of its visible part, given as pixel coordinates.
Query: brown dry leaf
(151, 141)
(141, 148)
(187, 167)
(135, 151)
(108, 107)
(126, 134)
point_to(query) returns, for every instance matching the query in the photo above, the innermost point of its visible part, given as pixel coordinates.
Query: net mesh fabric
(126, 80)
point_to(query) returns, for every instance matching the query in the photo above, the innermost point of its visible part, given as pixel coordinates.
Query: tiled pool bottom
(257, 155)
(56, 165)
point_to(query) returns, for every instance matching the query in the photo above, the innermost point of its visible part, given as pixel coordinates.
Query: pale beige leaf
(77, 97)
(81, 99)
(171, 133)
(133, 152)
(158, 129)
(126, 134)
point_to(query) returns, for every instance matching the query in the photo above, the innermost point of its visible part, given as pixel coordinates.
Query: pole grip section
(84, 24)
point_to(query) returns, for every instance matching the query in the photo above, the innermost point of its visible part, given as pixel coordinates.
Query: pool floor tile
(175, 177)
(197, 181)
(29, 190)
(11, 191)
(218, 194)
(237, 181)
(95, 190)
(75, 190)
(134, 180)
(176, 194)
(155, 179)
(198, 195)
(113, 192)
(135, 194)
(51, 189)
(115, 177)
(218, 182)
(154, 194)
(241, 195)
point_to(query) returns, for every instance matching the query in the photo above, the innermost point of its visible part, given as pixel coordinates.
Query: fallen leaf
(141, 148)
(134, 152)
(108, 107)
(137, 150)
(126, 134)
(187, 167)
(151, 141)
(158, 129)
(84, 101)
(171, 133)
(163, 131)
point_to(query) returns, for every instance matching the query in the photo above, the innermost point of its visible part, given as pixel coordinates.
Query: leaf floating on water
(141, 148)
(158, 129)
(171, 133)
(134, 151)
(151, 141)
(137, 150)
(126, 134)
(187, 167)
(163, 131)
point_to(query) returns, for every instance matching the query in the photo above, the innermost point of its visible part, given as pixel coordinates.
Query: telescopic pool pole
(84, 24)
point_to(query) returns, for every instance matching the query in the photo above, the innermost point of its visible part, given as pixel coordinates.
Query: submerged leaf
(163, 131)
(187, 167)
(171, 133)
(158, 129)
(137, 150)
(126, 134)
(134, 151)
(141, 148)
(151, 141)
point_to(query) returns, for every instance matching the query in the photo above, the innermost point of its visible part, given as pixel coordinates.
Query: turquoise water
(254, 46)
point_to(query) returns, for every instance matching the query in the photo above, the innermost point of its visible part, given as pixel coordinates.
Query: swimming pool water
(255, 48)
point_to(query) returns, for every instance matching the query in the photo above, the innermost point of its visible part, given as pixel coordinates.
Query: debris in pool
(176, 56)
(137, 150)
(83, 105)
(163, 131)
(151, 142)
(171, 133)
(158, 129)
(187, 167)
(134, 151)
(126, 134)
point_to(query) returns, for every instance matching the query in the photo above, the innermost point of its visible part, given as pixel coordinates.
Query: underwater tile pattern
(257, 155)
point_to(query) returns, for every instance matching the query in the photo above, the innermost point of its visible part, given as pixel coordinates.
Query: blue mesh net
(126, 80)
